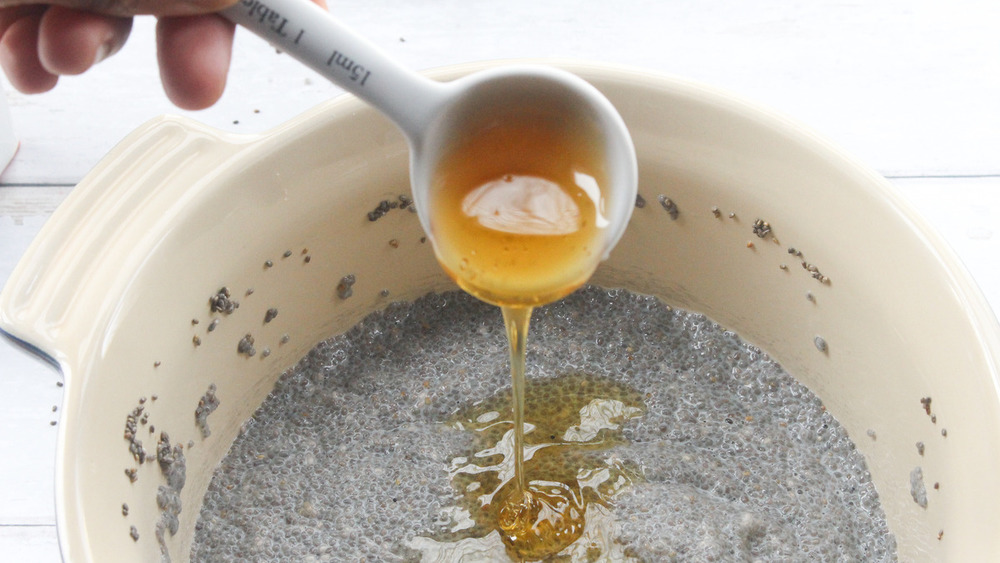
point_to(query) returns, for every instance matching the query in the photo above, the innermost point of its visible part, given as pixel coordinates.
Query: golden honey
(517, 213)
(518, 221)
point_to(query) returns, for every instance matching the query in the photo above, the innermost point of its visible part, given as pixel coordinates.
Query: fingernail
(103, 51)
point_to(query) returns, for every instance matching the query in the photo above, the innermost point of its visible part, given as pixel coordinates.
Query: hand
(41, 41)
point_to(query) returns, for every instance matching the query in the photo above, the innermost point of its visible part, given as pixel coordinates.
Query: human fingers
(70, 41)
(19, 49)
(194, 53)
(133, 7)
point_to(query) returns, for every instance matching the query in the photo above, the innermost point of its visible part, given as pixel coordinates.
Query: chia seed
(917, 489)
(345, 287)
(206, 406)
(380, 210)
(761, 228)
(137, 451)
(270, 315)
(222, 302)
(669, 205)
(245, 346)
(926, 402)
(168, 497)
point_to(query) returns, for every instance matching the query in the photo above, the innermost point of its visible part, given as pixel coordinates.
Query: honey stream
(533, 523)
(518, 222)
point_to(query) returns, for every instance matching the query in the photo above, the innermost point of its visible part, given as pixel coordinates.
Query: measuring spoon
(435, 115)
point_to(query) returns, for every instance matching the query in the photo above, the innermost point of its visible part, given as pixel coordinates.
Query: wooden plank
(28, 389)
(34, 544)
(22, 202)
(28, 444)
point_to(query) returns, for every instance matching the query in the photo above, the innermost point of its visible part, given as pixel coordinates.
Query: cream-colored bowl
(110, 289)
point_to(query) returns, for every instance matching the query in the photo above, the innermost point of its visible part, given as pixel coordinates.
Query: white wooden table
(911, 87)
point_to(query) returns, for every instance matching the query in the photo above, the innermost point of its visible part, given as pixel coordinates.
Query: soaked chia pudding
(676, 440)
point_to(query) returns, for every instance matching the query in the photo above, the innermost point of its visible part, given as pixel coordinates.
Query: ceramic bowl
(114, 283)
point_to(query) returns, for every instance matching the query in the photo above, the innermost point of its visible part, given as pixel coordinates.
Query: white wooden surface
(911, 87)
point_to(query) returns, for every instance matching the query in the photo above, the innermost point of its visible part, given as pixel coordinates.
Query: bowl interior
(118, 289)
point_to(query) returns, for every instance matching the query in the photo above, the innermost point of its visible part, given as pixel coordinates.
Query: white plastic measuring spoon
(434, 116)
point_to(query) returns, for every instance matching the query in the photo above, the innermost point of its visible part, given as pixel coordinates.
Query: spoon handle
(311, 35)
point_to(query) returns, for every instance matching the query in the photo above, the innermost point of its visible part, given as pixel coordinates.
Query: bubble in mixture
(680, 441)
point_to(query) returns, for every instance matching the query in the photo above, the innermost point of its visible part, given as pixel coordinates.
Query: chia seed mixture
(348, 459)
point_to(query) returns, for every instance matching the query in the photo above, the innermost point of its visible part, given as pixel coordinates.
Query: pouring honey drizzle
(574, 419)
(517, 221)
(534, 523)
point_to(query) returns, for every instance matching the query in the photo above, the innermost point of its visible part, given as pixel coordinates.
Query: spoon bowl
(480, 103)
(439, 118)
